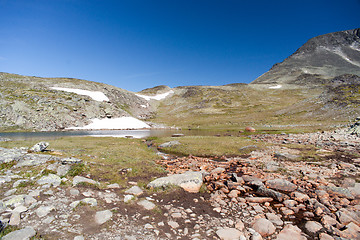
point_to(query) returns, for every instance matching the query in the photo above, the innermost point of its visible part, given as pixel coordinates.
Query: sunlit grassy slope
(236, 106)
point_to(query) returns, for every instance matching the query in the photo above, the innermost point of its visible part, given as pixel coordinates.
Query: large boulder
(190, 181)
(39, 147)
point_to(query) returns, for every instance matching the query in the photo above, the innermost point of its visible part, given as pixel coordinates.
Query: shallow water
(107, 133)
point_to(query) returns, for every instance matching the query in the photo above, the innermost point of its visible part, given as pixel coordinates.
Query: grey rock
(228, 234)
(287, 156)
(339, 191)
(275, 219)
(62, 170)
(14, 200)
(79, 179)
(22, 234)
(189, 181)
(281, 184)
(39, 147)
(103, 216)
(79, 238)
(70, 160)
(14, 219)
(50, 179)
(34, 160)
(44, 210)
(128, 198)
(91, 201)
(263, 191)
(114, 185)
(169, 144)
(146, 204)
(9, 155)
(135, 190)
(74, 192)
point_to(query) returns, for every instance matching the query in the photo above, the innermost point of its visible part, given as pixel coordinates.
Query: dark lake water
(107, 133)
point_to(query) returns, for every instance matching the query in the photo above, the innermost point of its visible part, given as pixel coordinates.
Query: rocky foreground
(272, 193)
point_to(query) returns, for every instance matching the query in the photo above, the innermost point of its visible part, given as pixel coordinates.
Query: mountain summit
(322, 57)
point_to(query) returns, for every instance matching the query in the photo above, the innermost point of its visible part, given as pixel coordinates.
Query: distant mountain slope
(320, 58)
(30, 103)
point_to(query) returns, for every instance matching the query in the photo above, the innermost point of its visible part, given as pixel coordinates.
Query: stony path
(269, 194)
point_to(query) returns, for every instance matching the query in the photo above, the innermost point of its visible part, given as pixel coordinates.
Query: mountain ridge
(324, 57)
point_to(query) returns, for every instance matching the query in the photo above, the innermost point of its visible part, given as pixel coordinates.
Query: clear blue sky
(137, 44)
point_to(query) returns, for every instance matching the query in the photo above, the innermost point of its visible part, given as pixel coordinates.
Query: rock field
(272, 193)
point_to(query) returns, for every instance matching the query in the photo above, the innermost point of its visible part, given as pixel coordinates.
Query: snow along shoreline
(121, 123)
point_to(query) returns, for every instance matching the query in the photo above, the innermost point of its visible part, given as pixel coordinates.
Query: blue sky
(137, 44)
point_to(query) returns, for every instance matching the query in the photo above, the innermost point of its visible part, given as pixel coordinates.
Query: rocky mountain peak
(322, 57)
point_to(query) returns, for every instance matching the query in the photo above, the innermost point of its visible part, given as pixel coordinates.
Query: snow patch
(276, 87)
(96, 95)
(156, 97)
(143, 106)
(114, 123)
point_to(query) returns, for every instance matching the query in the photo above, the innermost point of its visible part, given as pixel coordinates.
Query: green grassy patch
(209, 146)
(105, 158)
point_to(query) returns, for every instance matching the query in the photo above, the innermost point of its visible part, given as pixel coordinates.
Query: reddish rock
(291, 232)
(250, 129)
(258, 199)
(264, 227)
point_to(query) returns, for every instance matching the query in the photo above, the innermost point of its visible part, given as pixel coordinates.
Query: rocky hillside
(321, 58)
(31, 103)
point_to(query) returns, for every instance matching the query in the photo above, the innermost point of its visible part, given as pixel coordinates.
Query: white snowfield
(156, 97)
(276, 87)
(114, 123)
(96, 95)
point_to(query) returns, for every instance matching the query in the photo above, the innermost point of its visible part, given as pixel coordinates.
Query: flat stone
(228, 234)
(173, 224)
(14, 219)
(147, 204)
(287, 156)
(51, 179)
(264, 227)
(300, 197)
(169, 144)
(134, 190)
(22, 234)
(290, 232)
(34, 160)
(79, 179)
(44, 210)
(258, 199)
(281, 184)
(345, 216)
(114, 185)
(79, 237)
(74, 192)
(62, 170)
(15, 200)
(9, 155)
(325, 236)
(70, 160)
(275, 219)
(189, 181)
(339, 191)
(313, 227)
(128, 198)
(103, 216)
(352, 231)
(91, 201)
